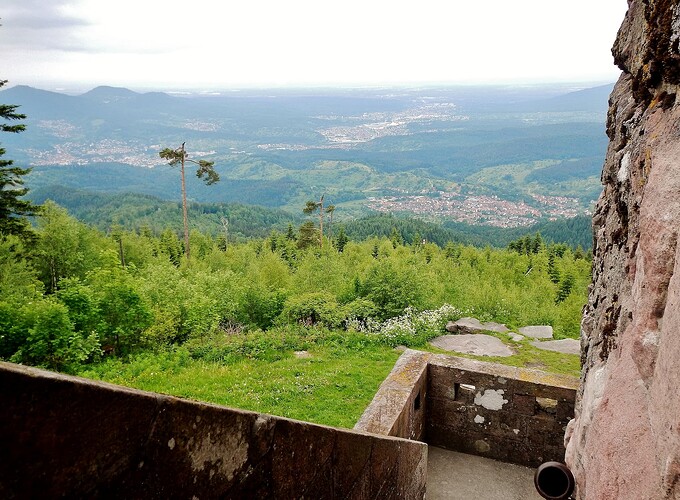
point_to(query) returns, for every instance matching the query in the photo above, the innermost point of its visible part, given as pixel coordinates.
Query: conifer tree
(290, 233)
(180, 157)
(341, 240)
(395, 238)
(13, 210)
(311, 207)
(566, 285)
(308, 235)
(537, 243)
(553, 272)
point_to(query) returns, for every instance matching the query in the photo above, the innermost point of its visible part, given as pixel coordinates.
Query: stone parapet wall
(399, 407)
(500, 412)
(70, 437)
(496, 411)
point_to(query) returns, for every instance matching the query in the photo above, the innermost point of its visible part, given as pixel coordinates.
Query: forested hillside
(136, 211)
(272, 313)
(503, 157)
(77, 295)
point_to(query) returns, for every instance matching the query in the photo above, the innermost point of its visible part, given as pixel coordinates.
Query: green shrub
(261, 307)
(316, 308)
(12, 333)
(361, 310)
(82, 304)
(123, 314)
(51, 341)
(392, 289)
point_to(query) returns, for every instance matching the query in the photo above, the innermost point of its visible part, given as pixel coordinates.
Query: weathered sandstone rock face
(625, 440)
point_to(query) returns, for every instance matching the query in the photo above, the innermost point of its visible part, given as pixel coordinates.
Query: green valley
(522, 154)
(446, 203)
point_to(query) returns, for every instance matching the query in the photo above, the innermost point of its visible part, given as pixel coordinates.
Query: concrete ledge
(511, 414)
(398, 408)
(70, 437)
(536, 380)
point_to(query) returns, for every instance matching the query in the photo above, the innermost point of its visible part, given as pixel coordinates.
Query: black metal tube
(554, 481)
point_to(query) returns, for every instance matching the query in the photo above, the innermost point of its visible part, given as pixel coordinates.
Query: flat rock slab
(565, 346)
(537, 332)
(480, 345)
(473, 325)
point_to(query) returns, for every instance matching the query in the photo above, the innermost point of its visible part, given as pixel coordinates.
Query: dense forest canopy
(79, 294)
(136, 211)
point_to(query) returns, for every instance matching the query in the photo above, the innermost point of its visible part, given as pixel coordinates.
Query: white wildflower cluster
(436, 318)
(367, 325)
(408, 324)
(400, 326)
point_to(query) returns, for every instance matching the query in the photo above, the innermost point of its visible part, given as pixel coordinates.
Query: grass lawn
(333, 386)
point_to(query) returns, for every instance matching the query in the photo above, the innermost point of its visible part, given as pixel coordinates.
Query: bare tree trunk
(321, 222)
(225, 226)
(330, 229)
(122, 254)
(184, 209)
(53, 274)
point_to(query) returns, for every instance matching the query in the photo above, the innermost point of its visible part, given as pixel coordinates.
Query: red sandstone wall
(625, 440)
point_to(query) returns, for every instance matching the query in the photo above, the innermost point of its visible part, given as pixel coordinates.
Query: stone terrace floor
(457, 476)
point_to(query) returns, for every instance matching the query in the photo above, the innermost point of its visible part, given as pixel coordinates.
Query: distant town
(74, 152)
(479, 210)
(414, 152)
(377, 125)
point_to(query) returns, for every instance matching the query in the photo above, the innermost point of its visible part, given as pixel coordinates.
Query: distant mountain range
(530, 153)
(39, 102)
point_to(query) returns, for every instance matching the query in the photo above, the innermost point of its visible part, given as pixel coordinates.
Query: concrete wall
(66, 436)
(500, 412)
(399, 407)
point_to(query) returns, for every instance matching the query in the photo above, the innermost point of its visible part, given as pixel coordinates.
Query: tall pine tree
(205, 171)
(13, 209)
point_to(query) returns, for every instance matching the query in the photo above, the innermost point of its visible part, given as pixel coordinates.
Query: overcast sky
(166, 44)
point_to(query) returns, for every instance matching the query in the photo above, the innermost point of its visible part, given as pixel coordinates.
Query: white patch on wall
(624, 168)
(479, 419)
(491, 399)
(650, 339)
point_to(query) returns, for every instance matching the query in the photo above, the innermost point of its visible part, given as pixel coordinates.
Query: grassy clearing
(333, 386)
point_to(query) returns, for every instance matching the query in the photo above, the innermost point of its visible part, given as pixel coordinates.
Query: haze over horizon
(79, 44)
